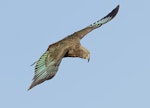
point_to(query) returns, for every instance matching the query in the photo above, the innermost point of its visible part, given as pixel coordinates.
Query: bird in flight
(47, 65)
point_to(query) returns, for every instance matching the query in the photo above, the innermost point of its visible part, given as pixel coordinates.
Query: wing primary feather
(47, 66)
(105, 19)
(40, 70)
(33, 63)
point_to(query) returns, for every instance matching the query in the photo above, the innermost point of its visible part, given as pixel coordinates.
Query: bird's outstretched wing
(81, 33)
(47, 66)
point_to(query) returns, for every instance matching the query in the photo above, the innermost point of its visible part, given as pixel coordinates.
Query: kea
(47, 65)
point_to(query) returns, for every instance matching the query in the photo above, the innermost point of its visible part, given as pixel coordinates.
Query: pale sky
(118, 74)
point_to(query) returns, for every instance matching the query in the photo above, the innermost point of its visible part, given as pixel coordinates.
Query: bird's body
(47, 66)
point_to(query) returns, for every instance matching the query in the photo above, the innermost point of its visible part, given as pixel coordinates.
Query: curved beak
(88, 57)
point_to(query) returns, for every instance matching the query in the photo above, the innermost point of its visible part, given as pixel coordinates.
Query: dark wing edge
(105, 19)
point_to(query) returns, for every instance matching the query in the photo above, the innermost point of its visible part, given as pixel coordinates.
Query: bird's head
(84, 53)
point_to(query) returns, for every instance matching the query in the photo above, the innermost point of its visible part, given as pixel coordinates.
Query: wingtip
(117, 7)
(114, 12)
(31, 86)
(28, 89)
(37, 82)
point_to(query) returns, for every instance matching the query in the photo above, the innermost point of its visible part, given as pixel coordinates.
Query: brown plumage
(47, 66)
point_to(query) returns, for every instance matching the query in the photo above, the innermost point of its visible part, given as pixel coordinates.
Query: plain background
(118, 74)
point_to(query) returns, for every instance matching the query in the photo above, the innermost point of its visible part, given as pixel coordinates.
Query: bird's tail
(105, 19)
